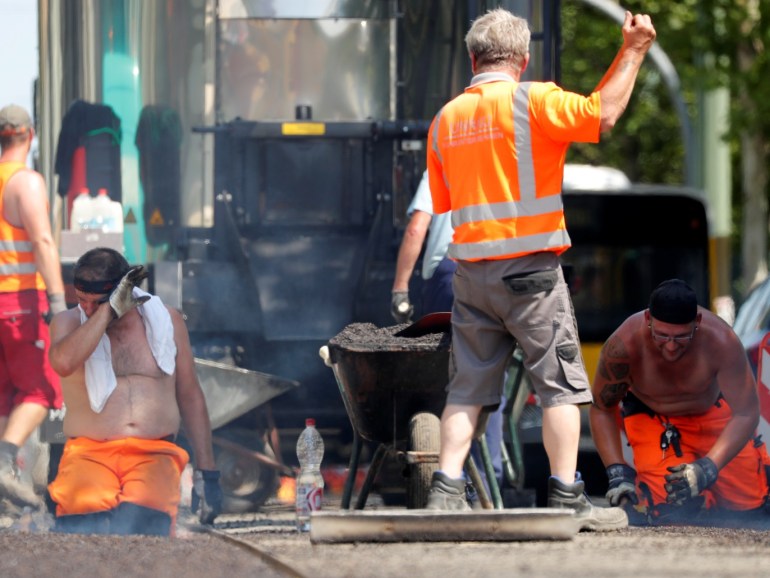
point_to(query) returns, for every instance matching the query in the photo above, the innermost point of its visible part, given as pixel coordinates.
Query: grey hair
(498, 38)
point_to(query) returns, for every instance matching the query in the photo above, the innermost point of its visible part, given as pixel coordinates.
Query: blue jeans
(437, 292)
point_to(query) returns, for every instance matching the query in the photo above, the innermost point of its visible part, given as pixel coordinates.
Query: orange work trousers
(98, 476)
(742, 484)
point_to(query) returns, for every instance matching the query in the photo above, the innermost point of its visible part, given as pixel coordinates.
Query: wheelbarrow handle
(258, 456)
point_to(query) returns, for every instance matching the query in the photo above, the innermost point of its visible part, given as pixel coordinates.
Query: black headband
(674, 302)
(96, 287)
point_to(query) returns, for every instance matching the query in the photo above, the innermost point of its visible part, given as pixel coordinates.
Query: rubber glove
(400, 307)
(122, 298)
(686, 481)
(206, 495)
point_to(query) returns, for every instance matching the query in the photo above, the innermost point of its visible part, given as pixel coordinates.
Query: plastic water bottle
(116, 217)
(310, 483)
(81, 211)
(102, 212)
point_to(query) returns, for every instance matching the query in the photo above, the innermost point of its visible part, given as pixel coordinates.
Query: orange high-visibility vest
(18, 271)
(496, 160)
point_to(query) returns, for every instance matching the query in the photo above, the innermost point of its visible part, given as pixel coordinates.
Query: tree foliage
(645, 142)
(712, 43)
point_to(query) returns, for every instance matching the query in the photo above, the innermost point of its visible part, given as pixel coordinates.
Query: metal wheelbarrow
(248, 462)
(393, 391)
(392, 381)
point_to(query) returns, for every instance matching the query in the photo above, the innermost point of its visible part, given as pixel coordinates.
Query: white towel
(100, 375)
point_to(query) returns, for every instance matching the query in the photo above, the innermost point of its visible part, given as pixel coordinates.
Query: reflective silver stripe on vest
(520, 245)
(436, 122)
(506, 210)
(16, 246)
(17, 269)
(523, 141)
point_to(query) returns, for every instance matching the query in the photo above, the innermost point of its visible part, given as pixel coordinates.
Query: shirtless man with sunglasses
(676, 379)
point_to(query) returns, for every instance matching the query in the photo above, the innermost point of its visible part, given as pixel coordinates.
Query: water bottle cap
(310, 422)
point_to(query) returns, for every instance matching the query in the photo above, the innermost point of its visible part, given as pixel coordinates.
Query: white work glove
(400, 307)
(122, 298)
(56, 304)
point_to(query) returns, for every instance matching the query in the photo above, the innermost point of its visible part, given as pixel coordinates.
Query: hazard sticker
(130, 217)
(156, 219)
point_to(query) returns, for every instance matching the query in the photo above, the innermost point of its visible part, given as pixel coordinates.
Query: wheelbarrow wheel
(424, 436)
(246, 483)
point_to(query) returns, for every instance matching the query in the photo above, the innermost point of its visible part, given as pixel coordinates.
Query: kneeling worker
(690, 410)
(129, 382)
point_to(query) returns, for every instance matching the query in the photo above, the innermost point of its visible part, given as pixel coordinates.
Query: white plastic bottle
(116, 217)
(81, 211)
(310, 482)
(101, 214)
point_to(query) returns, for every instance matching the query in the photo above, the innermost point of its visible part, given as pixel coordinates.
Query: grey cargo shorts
(497, 304)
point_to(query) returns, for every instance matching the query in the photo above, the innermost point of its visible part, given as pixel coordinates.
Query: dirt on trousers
(678, 552)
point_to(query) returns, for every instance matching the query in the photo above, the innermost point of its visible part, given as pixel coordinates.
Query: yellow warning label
(130, 218)
(156, 219)
(303, 128)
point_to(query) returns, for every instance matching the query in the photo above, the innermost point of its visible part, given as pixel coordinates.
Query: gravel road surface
(27, 550)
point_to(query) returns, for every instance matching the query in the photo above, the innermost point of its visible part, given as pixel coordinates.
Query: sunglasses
(678, 339)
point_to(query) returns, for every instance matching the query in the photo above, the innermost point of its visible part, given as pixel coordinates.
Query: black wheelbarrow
(392, 381)
(393, 388)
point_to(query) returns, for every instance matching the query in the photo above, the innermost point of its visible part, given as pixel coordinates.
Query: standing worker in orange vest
(29, 266)
(496, 160)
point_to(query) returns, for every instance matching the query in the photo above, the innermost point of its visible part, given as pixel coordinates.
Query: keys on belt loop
(671, 438)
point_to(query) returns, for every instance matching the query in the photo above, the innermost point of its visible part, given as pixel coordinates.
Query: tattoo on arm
(615, 348)
(613, 393)
(614, 372)
(619, 370)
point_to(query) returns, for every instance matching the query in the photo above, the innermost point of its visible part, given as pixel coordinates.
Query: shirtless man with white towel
(129, 382)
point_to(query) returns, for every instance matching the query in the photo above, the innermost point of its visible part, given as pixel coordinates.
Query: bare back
(144, 402)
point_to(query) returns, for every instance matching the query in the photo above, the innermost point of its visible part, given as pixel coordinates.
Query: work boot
(447, 494)
(573, 497)
(11, 486)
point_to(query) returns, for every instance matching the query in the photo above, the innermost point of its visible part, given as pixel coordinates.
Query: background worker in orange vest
(690, 411)
(29, 267)
(496, 160)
